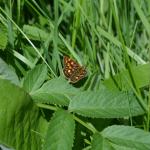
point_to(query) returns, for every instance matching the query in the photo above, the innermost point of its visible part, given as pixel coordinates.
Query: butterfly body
(72, 70)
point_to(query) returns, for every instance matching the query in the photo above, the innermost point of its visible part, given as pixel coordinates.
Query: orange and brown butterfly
(72, 70)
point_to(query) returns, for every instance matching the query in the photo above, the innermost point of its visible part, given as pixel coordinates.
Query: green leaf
(30, 54)
(6, 72)
(55, 91)
(20, 121)
(35, 78)
(60, 133)
(141, 76)
(129, 137)
(104, 103)
(118, 147)
(100, 143)
(3, 37)
(35, 33)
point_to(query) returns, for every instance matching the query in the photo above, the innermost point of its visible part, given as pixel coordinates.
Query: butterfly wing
(72, 70)
(79, 74)
(70, 67)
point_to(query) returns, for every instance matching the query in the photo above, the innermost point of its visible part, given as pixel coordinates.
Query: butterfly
(72, 70)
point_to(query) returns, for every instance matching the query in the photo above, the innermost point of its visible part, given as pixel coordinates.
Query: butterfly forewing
(70, 67)
(72, 70)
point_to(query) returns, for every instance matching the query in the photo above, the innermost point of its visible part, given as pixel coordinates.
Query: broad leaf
(35, 33)
(30, 54)
(118, 147)
(129, 137)
(55, 91)
(35, 78)
(6, 72)
(20, 121)
(101, 143)
(104, 103)
(60, 133)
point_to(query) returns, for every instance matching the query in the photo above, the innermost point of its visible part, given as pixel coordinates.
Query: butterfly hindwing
(81, 72)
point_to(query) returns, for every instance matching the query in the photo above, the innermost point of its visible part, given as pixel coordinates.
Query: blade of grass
(99, 31)
(28, 41)
(55, 53)
(134, 87)
(18, 11)
(71, 50)
(142, 16)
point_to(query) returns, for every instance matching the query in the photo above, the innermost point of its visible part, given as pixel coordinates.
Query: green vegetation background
(109, 108)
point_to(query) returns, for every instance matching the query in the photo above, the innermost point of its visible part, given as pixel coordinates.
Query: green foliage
(121, 138)
(123, 77)
(20, 118)
(39, 108)
(60, 133)
(6, 72)
(3, 37)
(127, 136)
(100, 143)
(35, 78)
(35, 33)
(104, 103)
(55, 91)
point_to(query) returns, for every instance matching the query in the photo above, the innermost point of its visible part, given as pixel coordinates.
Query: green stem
(46, 106)
(88, 126)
